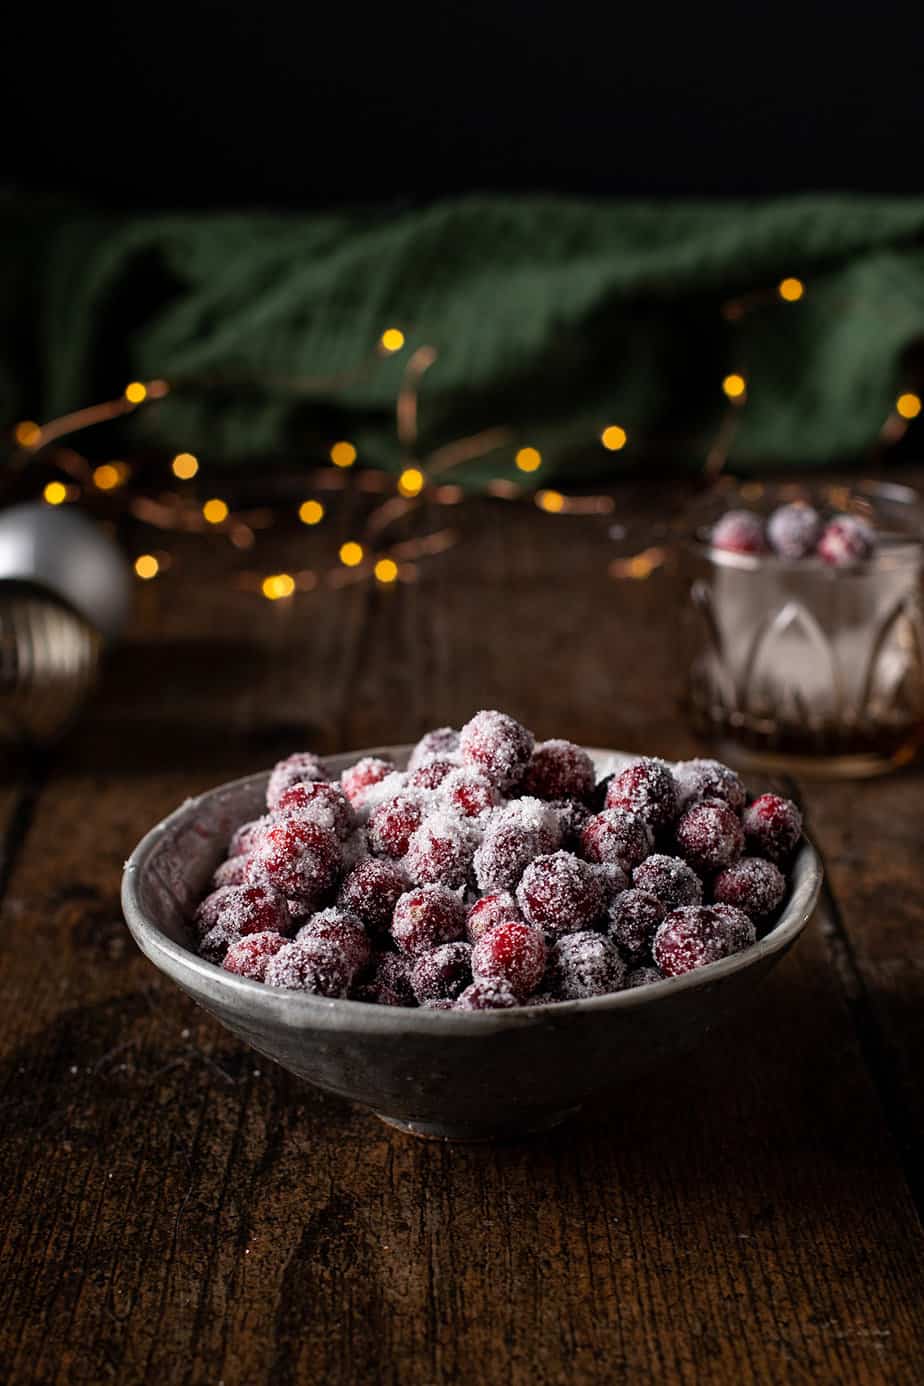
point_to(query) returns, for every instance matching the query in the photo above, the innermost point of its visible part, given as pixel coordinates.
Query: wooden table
(175, 1210)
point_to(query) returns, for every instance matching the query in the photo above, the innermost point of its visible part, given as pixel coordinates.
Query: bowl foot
(477, 1132)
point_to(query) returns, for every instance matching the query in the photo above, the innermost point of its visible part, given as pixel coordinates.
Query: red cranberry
(634, 918)
(739, 531)
(560, 894)
(388, 982)
(710, 835)
(311, 965)
(696, 935)
(488, 995)
(322, 803)
(343, 931)
(469, 792)
(846, 540)
(514, 835)
(513, 953)
(584, 964)
(392, 824)
(426, 917)
(443, 973)
(793, 530)
(361, 776)
(250, 956)
(772, 827)
(648, 789)
(707, 779)
(499, 908)
(669, 880)
(230, 872)
(301, 768)
(642, 977)
(498, 745)
(617, 835)
(751, 884)
(573, 817)
(441, 850)
(430, 774)
(246, 909)
(371, 890)
(443, 741)
(299, 857)
(559, 770)
(244, 838)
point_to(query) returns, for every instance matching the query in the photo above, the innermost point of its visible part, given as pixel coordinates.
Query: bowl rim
(806, 877)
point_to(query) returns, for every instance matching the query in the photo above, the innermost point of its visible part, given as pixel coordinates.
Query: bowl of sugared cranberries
(478, 935)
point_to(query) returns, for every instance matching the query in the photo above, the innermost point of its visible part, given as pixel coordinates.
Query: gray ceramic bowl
(448, 1074)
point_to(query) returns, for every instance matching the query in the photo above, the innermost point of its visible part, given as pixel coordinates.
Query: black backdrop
(221, 103)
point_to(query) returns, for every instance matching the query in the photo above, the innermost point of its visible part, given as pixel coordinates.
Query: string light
(614, 438)
(790, 289)
(215, 511)
(55, 493)
(147, 566)
(386, 570)
(528, 459)
(343, 454)
(392, 340)
(411, 482)
(734, 386)
(311, 512)
(27, 434)
(107, 477)
(908, 405)
(552, 502)
(136, 392)
(184, 466)
(351, 554)
(277, 586)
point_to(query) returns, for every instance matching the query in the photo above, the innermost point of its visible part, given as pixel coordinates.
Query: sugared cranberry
(514, 835)
(441, 1004)
(309, 965)
(710, 835)
(573, 817)
(213, 947)
(499, 908)
(739, 531)
(431, 773)
(634, 918)
(344, 931)
(426, 917)
(707, 779)
(469, 792)
(230, 872)
(492, 995)
(513, 953)
(772, 827)
(443, 741)
(669, 880)
(250, 956)
(245, 909)
(443, 973)
(846, 540)
(584, 964)
(297, 856)
(301, 768)
(371, 890)
(361, 776)
(696, 935)
(388, 982)
(613, 880)
(617, 835)
(322, 803)
(560, 894)
(441, 850)
(559, 770)
(244, 838)
(498, 745)
(793, 530)
(751, 884)
(392, 824)
(648, 789)
(642, 977)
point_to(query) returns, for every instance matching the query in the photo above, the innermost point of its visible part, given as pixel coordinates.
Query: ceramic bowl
(452, 1075)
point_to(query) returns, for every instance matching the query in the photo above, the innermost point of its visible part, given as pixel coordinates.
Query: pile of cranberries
(796, 531)
(494, 872)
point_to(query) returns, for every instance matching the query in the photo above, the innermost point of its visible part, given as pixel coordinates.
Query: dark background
(226, 104)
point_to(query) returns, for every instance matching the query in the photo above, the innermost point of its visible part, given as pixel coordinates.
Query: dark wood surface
(176, 1210)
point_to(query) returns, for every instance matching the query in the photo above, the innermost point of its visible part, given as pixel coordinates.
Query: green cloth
(552, 317)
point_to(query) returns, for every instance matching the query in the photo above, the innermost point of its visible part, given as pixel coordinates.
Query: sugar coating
(244, 909)
(793, 530)
(491, 994)
(392, 823)
(426, 917)
(233, 871)
(387, 982)
(560, 894)
(371, 891)
(431, 773)
(214, 944)
(846, 540)
(359, 778)
(670, 880)
(584, 964)
(498, 745)
(299, 768)
(468, 791)
(613, 879)
(642, 977)
(320, 802)
(342, 929)
(697, 935)
(442, 974)
(441, 850)
(250, 956)
(499, 908)
(634, 917)
(244, 837)
(647, 788)
(309, 965)
(739, 531)
(300, 858)
(752, 884)
(772, 827)
(511, 952)
(710, 835)
(617, 835)
(559, 770)
(707, 779)
(573, 815)
(513, 836)
(442, 741)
